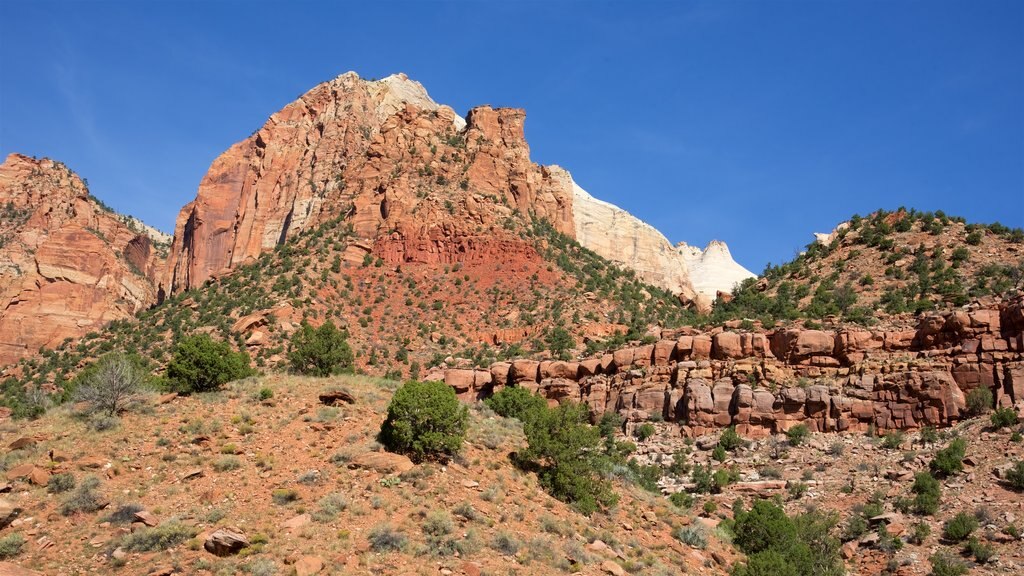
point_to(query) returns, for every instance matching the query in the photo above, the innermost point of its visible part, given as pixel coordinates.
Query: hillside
(888, 266)
(308, 485)
(68, 264)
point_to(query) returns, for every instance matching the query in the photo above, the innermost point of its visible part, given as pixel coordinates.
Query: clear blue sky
(753, 122)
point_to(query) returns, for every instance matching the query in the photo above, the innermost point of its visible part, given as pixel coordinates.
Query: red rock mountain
(418, 182)
(68, 264)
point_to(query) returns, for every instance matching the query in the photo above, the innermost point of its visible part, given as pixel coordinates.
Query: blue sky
(753, 122)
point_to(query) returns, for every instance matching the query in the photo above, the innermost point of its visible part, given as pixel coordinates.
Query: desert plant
(927, 492)
(384, 538)
(1003, 417)
(944, 564)
(693, 535)
(1015, 475)
(893, 440)
(162, 537)
(506, 543)
(681, 499)
(797, 434)
(979, 401)
(516, 402)
(949, 460)
(329, 507)
(113, 386)
(320, 351)
(644, 431)
(60, 483)
(982, 552)
(777, 544)
(11, 545)
(730, 440)
(84, 499)
(959, 527)
(201, 364)
(425, 420)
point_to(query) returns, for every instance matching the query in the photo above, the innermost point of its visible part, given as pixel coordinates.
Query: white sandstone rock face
(712, 269)
(617, 235)
(827, 239)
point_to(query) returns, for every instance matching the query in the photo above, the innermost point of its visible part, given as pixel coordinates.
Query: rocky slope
(68, 265)
(418, 183)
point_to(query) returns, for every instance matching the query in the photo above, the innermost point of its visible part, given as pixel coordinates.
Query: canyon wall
(68, 265)
(764, 382)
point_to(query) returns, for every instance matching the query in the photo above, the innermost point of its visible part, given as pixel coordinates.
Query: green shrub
(893, 440)
(945, 565)
(84, 499)
(920, 532)
(645, 431)
(681, 499)
(384, 538)
(797, 434)
(927, 493)
(425, 420)
(284, 496)
(693, 535)
(949, 460)
(777, 544)
(1003, 417)
(1015, 475)
(11, 545)
(60, 483)
(703, 479)
(506, 543)
(162, 537)
(226, 463)
(981, 552)
(329, 507)
(516, 402)
(979, 401)
(565, 451)
(201, 364)
(730, 440)
(958, 528)
(929, 435)
(718, 453)
(319, 351)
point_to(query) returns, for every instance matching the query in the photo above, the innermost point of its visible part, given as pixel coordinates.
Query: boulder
(225, 542)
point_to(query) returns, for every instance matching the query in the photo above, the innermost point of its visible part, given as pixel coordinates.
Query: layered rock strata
(68, 265)
(417, 182)
(847, 379)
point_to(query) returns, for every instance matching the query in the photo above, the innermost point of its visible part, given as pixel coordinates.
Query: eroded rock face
(67, 264)
(846, 379)
(417, 183)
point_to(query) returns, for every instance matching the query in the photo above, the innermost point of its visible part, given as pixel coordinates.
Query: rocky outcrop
(712, 270)
(67, 264)
(846, 379)
(417, 184)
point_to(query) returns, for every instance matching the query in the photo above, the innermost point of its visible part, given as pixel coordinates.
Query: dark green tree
(200, 364)
(319, 351)
(425, 421)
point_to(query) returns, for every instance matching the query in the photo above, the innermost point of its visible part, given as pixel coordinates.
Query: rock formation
(67, 264)
(845, 379)
(418, 184)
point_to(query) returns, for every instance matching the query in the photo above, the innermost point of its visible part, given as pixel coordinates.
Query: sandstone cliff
(67, 264)
(764, 382)
(712, 270)
(417, 182)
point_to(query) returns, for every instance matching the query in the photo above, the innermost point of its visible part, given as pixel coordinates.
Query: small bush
(681, 499)
(60, 483)
(1015, 475)
(1003, 418)
(284, 496)
(645, 431)
(506, 543)
(945, 565)
(11, 545)
(730, 440)
(162, 537)
(437, 523)
(920, 532)
(958, 528)
(797, 434)
(320, 351)
(329, 507)
(893, 440)
(979, 401)
(949, 460)
(929, 435)
(265, 393)
(927, 492)
(384, 538)
(981, 552)
(425, 420)
(112, 386)
(201, 364)
(84, 499)
(693, 535)
(226, 463)
(719, 453)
